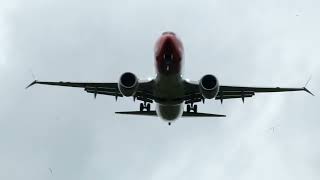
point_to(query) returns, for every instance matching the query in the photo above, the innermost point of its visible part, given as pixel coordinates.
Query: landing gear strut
(191, 107)
(145, 106)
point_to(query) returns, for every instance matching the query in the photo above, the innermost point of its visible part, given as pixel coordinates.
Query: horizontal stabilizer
(192, 114)
(141, 113)
(185, 114)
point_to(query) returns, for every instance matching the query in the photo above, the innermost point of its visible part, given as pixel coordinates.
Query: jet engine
(128, 84)
(209, 86)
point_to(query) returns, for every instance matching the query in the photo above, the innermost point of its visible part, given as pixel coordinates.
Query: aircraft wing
(230, 92)
(110, 89)
(234, 92)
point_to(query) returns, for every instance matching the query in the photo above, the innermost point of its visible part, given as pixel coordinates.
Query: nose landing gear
(145, 106)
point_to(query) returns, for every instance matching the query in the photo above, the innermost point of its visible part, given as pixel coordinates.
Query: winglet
(33, 83)
(307, 90)
(305, 87)
(35, 80)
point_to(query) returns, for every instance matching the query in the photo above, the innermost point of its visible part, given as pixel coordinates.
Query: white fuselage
(170, 91)
(169, 85)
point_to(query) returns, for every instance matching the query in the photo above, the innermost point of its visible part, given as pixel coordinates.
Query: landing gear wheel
(191, 107)
(148, 107)
(195, 108)
(145, 106)
(188, 108)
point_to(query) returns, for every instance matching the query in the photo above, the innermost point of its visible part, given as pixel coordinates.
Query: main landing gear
(192, 107)
(145, 106)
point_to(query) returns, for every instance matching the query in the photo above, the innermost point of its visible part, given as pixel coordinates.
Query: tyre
(195, 108)
(141, 107)
(188, 108)
(148, 107)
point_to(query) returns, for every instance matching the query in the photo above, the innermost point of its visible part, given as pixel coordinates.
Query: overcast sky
(248, 42)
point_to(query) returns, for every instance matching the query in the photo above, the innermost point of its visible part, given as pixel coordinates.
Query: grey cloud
(243, 43)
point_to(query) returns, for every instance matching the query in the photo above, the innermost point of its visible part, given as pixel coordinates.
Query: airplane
(169, 90)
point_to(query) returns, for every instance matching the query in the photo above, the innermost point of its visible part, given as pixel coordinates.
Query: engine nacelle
(128, 84)
(209, 86)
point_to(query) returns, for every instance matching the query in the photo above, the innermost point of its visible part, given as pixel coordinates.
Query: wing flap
(104, 91)
(234, 96)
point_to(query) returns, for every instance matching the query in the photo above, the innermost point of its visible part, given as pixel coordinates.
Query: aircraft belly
(169, 89)
(169, 112)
